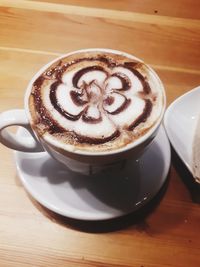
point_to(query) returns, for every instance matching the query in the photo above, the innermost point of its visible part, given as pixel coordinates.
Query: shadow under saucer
(134, 219)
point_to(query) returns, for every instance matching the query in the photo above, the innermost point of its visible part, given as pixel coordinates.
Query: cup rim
(69, 148)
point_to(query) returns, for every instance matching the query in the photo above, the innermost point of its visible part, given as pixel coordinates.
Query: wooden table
(166, 35)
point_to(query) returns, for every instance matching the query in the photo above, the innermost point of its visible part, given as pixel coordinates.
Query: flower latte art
(95, 101)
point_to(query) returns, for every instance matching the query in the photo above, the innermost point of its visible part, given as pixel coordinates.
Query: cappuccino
(96, 101)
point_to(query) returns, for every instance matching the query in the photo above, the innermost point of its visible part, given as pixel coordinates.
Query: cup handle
(17, 117)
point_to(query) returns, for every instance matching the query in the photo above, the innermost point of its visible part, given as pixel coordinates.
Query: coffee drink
(95, 100)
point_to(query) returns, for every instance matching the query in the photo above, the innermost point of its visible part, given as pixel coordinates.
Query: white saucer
(97, 197)
(180, 123)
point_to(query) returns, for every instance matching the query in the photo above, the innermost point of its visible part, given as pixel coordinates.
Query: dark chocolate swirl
(94, 98)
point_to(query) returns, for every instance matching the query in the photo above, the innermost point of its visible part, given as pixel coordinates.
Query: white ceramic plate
(97, 197)
(180, 122)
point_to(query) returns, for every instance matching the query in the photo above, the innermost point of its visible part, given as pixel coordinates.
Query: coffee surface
(95, 100)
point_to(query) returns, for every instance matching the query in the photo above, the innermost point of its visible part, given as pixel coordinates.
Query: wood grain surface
(166, 35)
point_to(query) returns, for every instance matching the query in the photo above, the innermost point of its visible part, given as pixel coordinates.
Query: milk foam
(95, 102)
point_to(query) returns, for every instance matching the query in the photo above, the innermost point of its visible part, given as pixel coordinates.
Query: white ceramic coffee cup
(85, 162)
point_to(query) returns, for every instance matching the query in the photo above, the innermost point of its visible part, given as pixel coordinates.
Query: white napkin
(196, 152)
